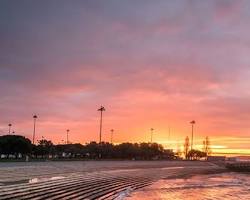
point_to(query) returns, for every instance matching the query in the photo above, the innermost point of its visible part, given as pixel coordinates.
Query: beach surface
(92, 179)
(219, 186)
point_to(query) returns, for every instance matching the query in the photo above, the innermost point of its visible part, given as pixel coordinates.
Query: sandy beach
(91, 179)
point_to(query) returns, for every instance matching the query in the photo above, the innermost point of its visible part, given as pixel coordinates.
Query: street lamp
(111, 132)
(67, 136)
(9, 127)
(101, 109)
(34, 128)
(192, 138)
(152, 131)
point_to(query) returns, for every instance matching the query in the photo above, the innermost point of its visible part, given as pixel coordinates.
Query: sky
(150, 64)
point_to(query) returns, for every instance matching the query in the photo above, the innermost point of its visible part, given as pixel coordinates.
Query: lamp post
(67, 136)
(192, 138)
(9, 127)
(34, 128)
(101, 109)
(152, 131)
(111, 135)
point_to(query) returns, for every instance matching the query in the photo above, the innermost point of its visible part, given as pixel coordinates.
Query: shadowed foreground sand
(90, 179)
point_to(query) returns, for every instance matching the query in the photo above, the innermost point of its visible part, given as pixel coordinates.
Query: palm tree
(192, 138)
(101, 109)
(9, 127)
(34, 129)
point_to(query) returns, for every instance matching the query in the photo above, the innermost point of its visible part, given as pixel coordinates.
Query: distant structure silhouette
(151, 137)
(67, 139)
(34, 128)
(9, 127)
(101, 109)
(111, 135)
(192, 138)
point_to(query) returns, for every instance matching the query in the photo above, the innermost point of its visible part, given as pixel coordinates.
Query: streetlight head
(192, 122)
(67, 130)
(35, 116)
(101, 109)
(9, 124)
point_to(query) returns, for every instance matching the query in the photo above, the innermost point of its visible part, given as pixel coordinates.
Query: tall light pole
(111, 135)
(192, 138)
(152, 131)
(34, 129)
(9, 127)
(67, 136)
(101, 109)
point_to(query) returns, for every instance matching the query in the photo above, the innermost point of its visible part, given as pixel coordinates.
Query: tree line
(19, 147)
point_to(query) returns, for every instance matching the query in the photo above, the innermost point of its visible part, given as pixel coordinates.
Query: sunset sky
(151, 64)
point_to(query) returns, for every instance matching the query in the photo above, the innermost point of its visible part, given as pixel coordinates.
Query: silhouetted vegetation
(206, 146)
(45, 149)
(196, 154)
(14, 145)
(93, 150)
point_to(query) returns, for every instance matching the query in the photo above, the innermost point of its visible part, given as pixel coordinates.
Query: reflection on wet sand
(230, 186)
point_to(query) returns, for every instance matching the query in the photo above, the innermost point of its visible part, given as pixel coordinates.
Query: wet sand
(229, 185)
